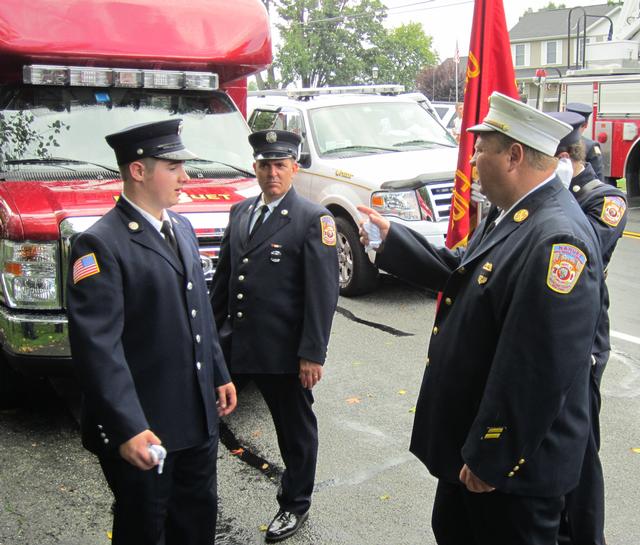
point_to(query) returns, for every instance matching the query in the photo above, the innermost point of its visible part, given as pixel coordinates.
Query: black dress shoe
(284, 525)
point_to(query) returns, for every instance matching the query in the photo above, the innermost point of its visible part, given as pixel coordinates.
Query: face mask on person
(564, 171)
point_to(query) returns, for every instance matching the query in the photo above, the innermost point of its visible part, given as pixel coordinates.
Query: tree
(439, 82)
(402, 53)
(327, 42)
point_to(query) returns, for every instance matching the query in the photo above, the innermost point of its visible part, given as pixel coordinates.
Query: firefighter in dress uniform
(592, 148)
(605, 207)
(502, 415)
(146, 351)
(274, 294)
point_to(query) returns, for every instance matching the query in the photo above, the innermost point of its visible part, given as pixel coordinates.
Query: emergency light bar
(37, 74)
(387, 89)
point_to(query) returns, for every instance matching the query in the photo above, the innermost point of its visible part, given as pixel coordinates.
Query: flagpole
(457, 64)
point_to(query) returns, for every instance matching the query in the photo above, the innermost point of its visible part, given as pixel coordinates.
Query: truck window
(284, 119)
(40, 122)
(375, 127)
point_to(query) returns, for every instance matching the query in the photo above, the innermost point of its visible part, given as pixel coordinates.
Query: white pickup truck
(366, 145)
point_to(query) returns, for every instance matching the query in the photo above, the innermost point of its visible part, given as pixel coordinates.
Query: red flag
(489, 69)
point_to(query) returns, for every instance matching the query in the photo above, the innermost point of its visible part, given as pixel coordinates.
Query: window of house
(520, 53)
(552, 52)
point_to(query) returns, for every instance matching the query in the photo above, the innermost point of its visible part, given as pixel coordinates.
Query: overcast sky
(450, 20)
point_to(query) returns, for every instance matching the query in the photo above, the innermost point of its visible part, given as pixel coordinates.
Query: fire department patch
(85, 266)
(612, 210)
(328, 230)
(565, 266)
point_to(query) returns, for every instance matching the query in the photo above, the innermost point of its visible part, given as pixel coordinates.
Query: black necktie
(494, 213)
(263, 212)
(168, 236)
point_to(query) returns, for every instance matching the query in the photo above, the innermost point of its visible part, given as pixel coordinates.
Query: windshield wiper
(359, 148)
(239, 169)
(58, 161)
(419, 141)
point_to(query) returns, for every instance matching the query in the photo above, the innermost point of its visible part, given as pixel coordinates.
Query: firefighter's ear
(136, 170)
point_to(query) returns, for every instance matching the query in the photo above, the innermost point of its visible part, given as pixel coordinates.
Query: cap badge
(521, 215)
(284, 212)
(271, 137)
(139, 151)
(133, 225)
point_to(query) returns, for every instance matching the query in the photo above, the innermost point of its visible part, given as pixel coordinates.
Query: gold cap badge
(521, 215)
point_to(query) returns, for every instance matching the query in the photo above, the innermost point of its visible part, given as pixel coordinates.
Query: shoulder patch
(85, 266)
(565, 266)
(328, 226)
(612, 210)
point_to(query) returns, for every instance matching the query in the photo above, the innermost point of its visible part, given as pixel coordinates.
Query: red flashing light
(602, 137)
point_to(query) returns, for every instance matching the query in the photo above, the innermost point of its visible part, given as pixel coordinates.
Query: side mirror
(305, 160)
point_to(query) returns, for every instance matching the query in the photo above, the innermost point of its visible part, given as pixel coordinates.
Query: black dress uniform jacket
(594, 156)
(606, 209)
(277, 291)
(506, 384)
(142, 335)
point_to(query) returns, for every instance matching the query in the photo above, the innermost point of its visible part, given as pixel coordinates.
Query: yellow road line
(631, 234)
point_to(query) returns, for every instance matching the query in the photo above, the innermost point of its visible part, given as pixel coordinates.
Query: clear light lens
(201, 81)
(402, 204)
(127, 78)
(29, 274)
(163, 79)
(45, 75)
(90, 77)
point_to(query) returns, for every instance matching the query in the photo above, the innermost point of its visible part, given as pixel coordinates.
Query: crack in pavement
(387, 329)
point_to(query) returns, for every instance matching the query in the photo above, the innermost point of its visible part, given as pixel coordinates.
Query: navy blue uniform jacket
(274, 296)
(506, 384)
(606, 209)
(142, 335)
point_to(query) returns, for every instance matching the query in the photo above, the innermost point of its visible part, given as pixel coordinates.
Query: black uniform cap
(159, 139)
(579, 108)
(274, 144)
(576, 121)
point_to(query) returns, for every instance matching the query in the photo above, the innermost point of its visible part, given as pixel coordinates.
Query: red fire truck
(615, 122)
(72, 71)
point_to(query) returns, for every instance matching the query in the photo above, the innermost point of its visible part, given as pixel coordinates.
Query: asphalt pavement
(370, 490)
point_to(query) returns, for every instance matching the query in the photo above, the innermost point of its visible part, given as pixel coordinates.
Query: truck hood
(34, 210)
(374, 169)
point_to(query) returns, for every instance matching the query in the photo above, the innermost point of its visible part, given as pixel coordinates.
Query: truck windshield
(40, 123)
(375, 127)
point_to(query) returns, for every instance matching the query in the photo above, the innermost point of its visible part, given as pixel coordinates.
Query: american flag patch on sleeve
(85, 266)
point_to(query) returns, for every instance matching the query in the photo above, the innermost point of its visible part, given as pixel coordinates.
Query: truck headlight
(402, 204)
(29, 272)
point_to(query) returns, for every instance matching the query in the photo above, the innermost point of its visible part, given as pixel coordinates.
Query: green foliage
(402, 53)
(19, 140)
(328, 42)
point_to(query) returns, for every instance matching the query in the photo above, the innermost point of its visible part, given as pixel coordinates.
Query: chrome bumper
(34, 335)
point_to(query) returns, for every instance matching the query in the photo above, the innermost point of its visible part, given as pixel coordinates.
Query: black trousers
(291, 408)
(461, 517)
(583, 519)
(178, 507)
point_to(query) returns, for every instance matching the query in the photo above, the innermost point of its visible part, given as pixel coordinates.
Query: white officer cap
(523, 123)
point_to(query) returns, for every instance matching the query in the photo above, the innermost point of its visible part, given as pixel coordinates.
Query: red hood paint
(34, 210)
(231, 38)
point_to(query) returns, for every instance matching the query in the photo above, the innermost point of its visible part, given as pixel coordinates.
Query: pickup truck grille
(438, 194)
(209, 228)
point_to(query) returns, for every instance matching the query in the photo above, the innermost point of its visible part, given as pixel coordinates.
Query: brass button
(198, 365)
(511, 474)
(240, 296)
(516, 468)
(448, 301)
(189, 286)
(521, 461)
(194, 312)
(198, 338)
(245, 260)
(435, 330)
(239, 314)
(462, 270)
(427, 361)
(241, 277)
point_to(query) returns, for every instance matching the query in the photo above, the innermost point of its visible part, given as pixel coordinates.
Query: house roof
(553, 22)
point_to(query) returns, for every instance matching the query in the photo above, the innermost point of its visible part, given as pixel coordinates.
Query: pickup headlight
(402, 204)
(30, 275)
